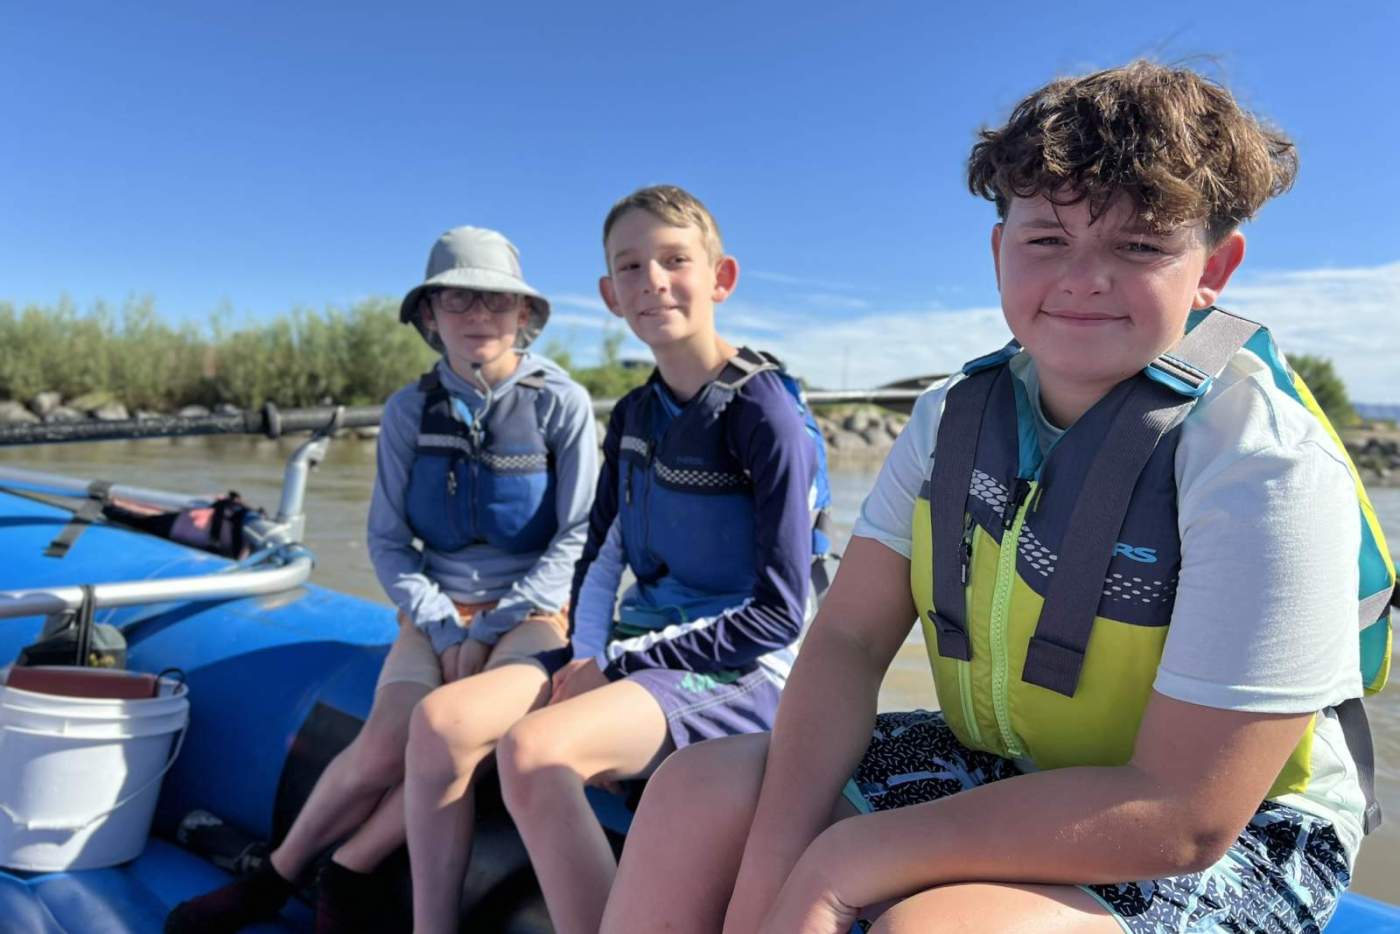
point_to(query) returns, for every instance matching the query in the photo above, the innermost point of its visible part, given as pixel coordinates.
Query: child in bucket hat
(489, 461)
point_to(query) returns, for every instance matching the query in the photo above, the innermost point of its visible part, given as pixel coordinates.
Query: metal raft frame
(277, 563)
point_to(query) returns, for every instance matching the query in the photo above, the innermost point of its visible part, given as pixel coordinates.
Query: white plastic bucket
(79, 776)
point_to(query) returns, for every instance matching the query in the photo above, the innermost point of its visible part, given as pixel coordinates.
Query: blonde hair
(672, 205)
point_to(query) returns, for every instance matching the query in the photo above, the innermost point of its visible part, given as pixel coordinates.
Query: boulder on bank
(65, 413)
(45, 402)
(111, 412)
(12, 413)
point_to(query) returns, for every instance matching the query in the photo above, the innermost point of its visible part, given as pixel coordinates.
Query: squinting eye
(1140, 247)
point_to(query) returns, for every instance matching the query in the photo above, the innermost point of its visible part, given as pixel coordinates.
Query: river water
(337, 501)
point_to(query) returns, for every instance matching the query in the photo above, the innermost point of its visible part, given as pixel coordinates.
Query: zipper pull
(1018, 499)
(965, 551)
(451, 482)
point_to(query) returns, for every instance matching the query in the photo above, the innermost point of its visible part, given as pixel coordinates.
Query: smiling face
(662, 280)
(1094, 303)
(476, 337)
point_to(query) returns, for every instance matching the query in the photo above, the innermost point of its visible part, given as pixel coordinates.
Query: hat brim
(483, 280)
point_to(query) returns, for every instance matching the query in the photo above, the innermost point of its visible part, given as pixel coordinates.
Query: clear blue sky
(266, 156)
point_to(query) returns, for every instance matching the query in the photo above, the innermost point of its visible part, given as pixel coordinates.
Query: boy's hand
(471, 658)
(808, 905)
(577, 677)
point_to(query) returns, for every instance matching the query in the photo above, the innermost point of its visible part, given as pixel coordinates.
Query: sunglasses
(460, 301)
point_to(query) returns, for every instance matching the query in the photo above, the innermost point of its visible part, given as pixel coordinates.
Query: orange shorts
(411, 658)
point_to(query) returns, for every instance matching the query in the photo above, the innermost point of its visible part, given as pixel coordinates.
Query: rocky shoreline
(853, 433)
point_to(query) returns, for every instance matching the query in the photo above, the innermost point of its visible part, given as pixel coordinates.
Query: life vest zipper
(1012, 521)
(964, 668)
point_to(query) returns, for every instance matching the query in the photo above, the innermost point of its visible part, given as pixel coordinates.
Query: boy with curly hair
(1132, 542)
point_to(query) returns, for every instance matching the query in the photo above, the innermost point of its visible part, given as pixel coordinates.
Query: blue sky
(261, 156)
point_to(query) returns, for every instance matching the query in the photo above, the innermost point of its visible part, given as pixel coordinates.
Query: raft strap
(84, 515)
(1148, 411)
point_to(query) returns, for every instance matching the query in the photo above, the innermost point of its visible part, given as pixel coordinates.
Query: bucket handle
(69, 823)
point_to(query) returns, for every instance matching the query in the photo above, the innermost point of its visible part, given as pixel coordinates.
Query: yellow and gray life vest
(1045, 582)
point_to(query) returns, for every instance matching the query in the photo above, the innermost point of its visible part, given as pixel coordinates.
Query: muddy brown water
(338, 499)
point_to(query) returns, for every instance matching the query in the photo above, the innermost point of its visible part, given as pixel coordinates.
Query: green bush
(1327, 388)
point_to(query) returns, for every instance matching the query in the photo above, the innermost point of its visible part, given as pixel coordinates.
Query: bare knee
(441, 743)
(527, 757)
(720, 777)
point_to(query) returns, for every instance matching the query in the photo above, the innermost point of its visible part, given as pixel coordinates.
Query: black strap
(83, 620)
(948, 486)
(535, 380)
(90, 511)
(744, 366)
(1055, 655)
(1356, 729)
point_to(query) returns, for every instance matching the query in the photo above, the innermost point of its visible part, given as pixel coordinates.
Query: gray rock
(90, 402)
(368, 433)
(143, 415)
(45, 402)
(226, 408)
(12, 413)
(860, 421)
(877, 437)
(112, 412)
(65, 414)
(193, 411)
(842, 440)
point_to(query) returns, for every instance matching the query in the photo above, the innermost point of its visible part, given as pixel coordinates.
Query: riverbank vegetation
(355, 356)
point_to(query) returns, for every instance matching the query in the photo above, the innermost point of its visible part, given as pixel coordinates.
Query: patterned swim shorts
(1284, 874)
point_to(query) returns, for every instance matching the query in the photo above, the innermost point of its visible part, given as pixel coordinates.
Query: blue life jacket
(686, 503)
(482, 479)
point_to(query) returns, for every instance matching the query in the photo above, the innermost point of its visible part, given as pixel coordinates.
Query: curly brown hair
(672, 205)
(1172, 140)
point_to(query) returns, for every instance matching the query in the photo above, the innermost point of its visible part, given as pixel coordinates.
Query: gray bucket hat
(475, 258)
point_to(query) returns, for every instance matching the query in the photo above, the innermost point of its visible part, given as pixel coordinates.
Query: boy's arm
(1195, 779)
(771, 442)
(824, 719)
(397, 563)
(573, 441)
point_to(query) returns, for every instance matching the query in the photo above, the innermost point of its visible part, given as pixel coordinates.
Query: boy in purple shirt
(705, 496)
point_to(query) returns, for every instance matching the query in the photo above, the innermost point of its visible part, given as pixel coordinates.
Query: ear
(726, 278)
(425, 315)
(609, 294)
(1220, 265)
(997, 230)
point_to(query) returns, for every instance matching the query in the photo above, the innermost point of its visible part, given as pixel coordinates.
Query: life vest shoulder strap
(1151, 407)
(744, 366)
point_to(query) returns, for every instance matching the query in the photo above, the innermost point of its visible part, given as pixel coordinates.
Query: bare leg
(453, 732)
(710, 790)
(614, 732)
(353, 784)
(990, 906)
